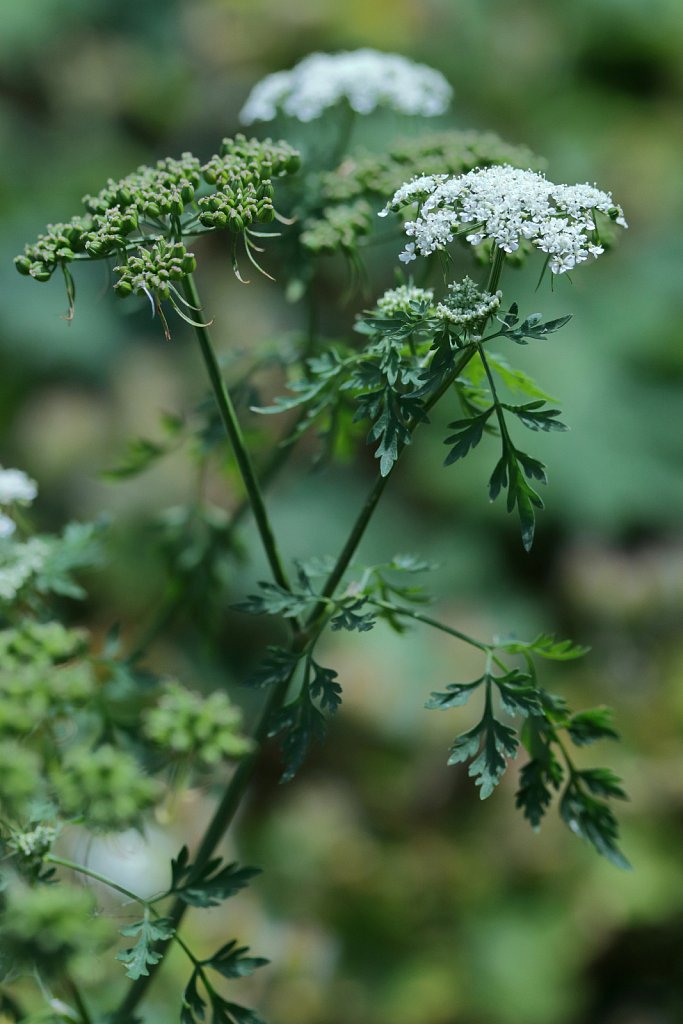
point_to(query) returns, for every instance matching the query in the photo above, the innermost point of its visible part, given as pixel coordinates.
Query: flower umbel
(366, 78)
(467, 305)
(508, 207)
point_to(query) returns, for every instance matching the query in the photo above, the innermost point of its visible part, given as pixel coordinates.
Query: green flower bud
(40, 272)
(23, 264)
(189, 263)
(266, 213)
(123, 288)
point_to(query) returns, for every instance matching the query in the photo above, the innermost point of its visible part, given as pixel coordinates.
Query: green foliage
(208, 884)
(138, 958)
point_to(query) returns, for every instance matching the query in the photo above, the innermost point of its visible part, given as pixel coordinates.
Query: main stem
(234, 432)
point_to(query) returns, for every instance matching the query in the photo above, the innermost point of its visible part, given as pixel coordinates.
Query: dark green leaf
(517, 695)
(209, 884)
(467, 435)
(299, 723)
(587, 727)
(535, 416)
(455, 696)
(538, 778)
(324, 688)
(351, 618)
(231, 961)
(193, 1009)
(594, 821)
(276, 668)
(603, 782)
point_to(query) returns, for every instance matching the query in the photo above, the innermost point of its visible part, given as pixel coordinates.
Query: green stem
(365, 515)
(111, 884)
(78, 1000)
(234, 432)
(434, 623)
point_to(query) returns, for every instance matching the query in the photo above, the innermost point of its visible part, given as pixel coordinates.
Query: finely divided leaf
(231, 961)
(276, 668)
(324, 688)
(455, 696)
(594, 821)
(142, 955)
(209, 884)
(467, 435)
(586, 727)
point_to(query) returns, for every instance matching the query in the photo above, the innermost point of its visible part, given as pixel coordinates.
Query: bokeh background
(391, 894)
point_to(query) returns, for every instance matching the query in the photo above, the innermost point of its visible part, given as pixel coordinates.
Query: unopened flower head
(403, 300)
(15, 485)
(366, 78)
(507, 206)
(467, 305)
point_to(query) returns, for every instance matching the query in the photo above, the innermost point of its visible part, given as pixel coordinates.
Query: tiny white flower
(15, 485)
(506, 205)
(365, 78)
(408, 253)
(7, 526)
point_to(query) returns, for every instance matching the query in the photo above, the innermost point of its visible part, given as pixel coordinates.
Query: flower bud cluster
(232, 189)
(155, 191)
(104, 785)
(366, 79)
(509, 208)
(403, 300)
(152, 271)
(206, 728)
(110, 230)
(37, 684)
(60, 244)
(50, 928)
(340, 227)
(438, 153)
(466, 305)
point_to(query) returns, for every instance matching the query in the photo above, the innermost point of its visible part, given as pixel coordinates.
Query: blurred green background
(391, 894)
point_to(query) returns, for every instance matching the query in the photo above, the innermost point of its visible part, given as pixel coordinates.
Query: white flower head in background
(506, 205)
(7, 526)
(366, 78)
(15, 485)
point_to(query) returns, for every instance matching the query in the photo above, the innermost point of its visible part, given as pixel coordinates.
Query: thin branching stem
(234, 432)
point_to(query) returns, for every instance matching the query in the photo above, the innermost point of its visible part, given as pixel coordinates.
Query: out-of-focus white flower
(15, 485)
(23, 561)
(366, 78)
(7, 526)
(506, 205)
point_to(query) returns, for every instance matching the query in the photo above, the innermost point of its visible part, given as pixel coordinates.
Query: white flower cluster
(366, 78)
(399, 300)
(15, 486)
(466, 304)
(507, 205)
